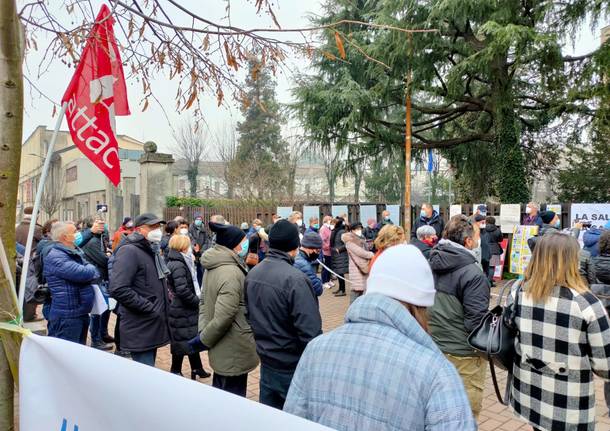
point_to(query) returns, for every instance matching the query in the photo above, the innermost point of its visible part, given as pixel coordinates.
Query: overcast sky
(152, 124)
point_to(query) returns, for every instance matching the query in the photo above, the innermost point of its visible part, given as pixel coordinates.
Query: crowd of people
(248, 295)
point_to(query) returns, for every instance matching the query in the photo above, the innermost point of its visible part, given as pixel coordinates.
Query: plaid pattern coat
(380, 371)
(560, 344)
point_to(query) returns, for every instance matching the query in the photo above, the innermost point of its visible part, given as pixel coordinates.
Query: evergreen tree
(261, 159)
(492, 74)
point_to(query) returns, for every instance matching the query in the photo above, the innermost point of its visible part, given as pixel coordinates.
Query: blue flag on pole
(430, 160)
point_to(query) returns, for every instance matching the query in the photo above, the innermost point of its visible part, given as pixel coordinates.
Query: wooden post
(407, 208)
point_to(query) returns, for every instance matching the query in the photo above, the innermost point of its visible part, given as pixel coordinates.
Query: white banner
(65, 386)
(597, 214)
(510, 216)
(367, 212)
(284, 212)
(339, 209)
(455, 210)
(395, 214)
(311, 211)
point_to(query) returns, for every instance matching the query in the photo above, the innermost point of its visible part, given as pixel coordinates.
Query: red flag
(96, 93)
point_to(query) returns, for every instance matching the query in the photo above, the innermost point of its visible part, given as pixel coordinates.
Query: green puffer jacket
(222, 314)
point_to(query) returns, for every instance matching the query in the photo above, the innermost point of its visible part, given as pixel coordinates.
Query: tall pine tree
(261, 162)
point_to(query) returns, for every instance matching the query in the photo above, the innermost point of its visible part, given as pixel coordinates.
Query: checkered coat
(560, 344)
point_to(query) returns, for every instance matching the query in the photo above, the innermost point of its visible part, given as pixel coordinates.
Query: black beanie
(284, 236)
(547, 216)
(227, 235)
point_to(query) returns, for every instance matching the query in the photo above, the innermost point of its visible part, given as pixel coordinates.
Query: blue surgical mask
(422, 213)
(78, 238)
(557, 224)
(198, 223)
(316, 226)
(244, 248)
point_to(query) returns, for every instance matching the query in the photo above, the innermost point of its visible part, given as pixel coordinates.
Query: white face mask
(184, 232)
(358, 232)
(528, 210)
(331, 227)
(154, 235)
(482, 225)
(299, 222)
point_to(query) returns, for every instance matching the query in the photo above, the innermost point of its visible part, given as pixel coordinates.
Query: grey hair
(59, 229)
(534, 205)
(424, 231)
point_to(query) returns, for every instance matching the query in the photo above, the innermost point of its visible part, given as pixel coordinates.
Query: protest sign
(556, 208)
(596, 214)
(339, 209)
(475, 208)
(510, 216)
(310, 211)
(455, 210)
(367, 212)
(284, 212)
(394, 214)
(520, 253)
(499, 270)
(68, 386)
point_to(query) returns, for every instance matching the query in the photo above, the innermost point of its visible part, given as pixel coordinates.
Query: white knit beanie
(403, 273)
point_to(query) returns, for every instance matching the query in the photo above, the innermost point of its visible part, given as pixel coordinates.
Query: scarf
(190, 263)
(162, 269)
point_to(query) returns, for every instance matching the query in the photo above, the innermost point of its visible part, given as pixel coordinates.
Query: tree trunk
(510, 164)
(11, 128)
(192, 173)
(357, 181)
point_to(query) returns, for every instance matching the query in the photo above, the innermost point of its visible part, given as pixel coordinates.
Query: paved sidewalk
(494, 416)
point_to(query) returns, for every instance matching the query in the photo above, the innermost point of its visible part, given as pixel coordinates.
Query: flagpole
(39, 192)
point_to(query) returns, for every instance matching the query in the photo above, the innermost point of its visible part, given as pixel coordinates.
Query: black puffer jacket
(282, 310)
(340, 258)
(435, 221)
(95, 253)
(142, 296)
(184, 309)
(494, 237)
(462, 297)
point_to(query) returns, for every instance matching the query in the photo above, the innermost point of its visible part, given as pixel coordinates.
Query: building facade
(74, 186)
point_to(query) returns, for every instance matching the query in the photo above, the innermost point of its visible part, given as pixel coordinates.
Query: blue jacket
(392, 376)
(591, 241)
(69, 278)
(306, 268)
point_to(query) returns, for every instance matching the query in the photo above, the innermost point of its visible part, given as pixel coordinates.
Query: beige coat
(359, 260)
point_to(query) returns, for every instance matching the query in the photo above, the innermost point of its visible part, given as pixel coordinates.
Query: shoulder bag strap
(494, 379)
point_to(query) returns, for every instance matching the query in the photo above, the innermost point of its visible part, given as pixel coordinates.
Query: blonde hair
(179, 242)
(555, 262)
(390, 235)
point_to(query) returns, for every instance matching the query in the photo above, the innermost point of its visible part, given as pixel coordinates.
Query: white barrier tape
(333, 272)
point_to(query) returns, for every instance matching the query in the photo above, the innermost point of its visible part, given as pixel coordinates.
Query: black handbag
(495, 336)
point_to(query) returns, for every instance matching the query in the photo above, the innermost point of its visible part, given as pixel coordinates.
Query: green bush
(177, 202)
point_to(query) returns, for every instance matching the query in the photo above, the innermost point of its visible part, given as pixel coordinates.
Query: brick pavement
(494, 416)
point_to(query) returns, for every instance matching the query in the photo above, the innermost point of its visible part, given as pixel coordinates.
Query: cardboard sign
(510, 216)
(520, 253)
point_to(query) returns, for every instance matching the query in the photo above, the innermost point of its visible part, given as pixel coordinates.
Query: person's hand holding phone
(98, 227)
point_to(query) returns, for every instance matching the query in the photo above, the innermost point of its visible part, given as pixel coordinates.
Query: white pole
(43, 178)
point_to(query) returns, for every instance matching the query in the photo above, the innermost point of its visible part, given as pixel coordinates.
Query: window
(71, 174)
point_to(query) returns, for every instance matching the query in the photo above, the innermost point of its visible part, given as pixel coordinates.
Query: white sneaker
(327, 286)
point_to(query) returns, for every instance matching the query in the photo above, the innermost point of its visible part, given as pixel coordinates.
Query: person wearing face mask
(426, 239)
(314, 225)
(201, 242)
(461, 301)
(283, 311)
(69, 277)
(359, 260)
(125, 229)
(385, 220)
(483, 251)
(223, 327)
(184, 309)
(308, 254)
(325, 233)
(138, 282)
(257, 238)
(428, 217)
(296, 217)
(532, 215)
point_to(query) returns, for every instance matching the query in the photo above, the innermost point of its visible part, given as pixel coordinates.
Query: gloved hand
(196, 345)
